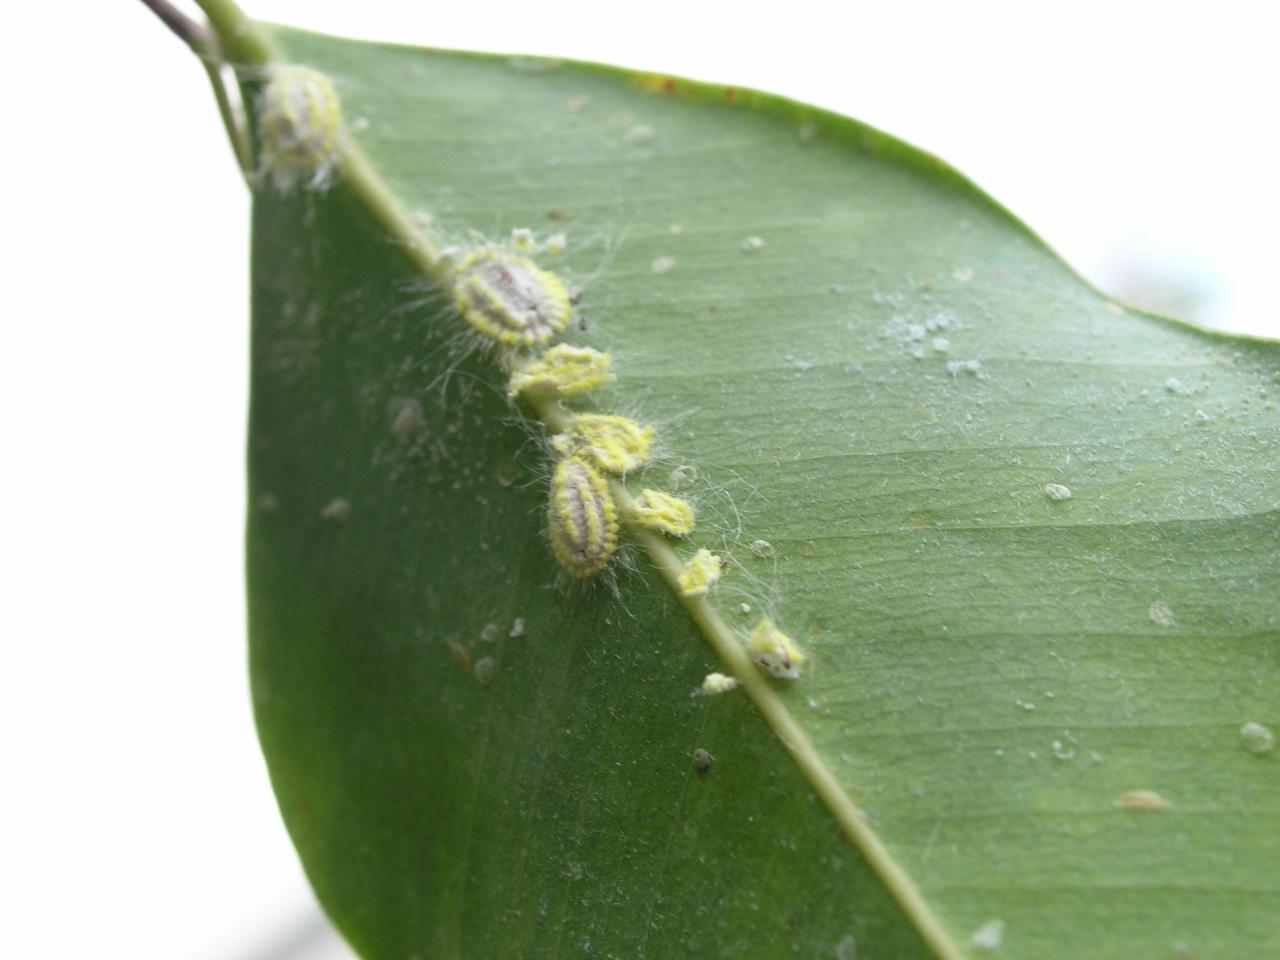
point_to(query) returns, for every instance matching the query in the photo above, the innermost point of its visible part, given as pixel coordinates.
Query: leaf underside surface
(882, 392)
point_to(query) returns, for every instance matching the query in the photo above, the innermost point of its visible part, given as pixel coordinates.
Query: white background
(136, 821)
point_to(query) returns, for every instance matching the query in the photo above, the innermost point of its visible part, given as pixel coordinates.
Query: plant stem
(204, 43)
(233, 120)
(182, 26)
(243, 41)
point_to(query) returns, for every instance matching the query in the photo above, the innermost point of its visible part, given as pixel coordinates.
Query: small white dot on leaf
(1160, 614)
(1257, 738)
(988, 937)
(339, 509)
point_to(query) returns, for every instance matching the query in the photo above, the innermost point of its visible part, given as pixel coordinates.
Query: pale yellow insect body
(563, 371)
(700, 573)
(615, 444)
(775, 651)
(664, 512)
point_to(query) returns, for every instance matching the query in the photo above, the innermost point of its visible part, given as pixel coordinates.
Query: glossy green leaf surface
(479, 759)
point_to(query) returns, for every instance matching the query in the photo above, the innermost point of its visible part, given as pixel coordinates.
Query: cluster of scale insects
(520, 308)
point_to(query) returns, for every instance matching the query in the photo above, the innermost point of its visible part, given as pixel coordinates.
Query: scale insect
(664, 512)
(615, 444)
(563, 371)
(299, 117)
(775, 651)
(582, 519)
(509, 299)
(700, 573)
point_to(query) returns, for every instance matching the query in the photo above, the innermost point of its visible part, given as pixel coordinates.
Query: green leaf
(883, 391)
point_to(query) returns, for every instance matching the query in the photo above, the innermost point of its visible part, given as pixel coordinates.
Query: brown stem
(193, 34)
(204, 43)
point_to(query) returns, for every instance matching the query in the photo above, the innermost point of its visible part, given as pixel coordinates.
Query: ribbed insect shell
(581, 518)
(509, 299)
(298, 120)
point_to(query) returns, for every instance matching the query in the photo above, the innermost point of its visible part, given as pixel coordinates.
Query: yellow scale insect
(664, 512)
(299, 116)
(775, 651)
(581, 518)
(510, 299)
(563, 371)
(614, 444)
(700, 573)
